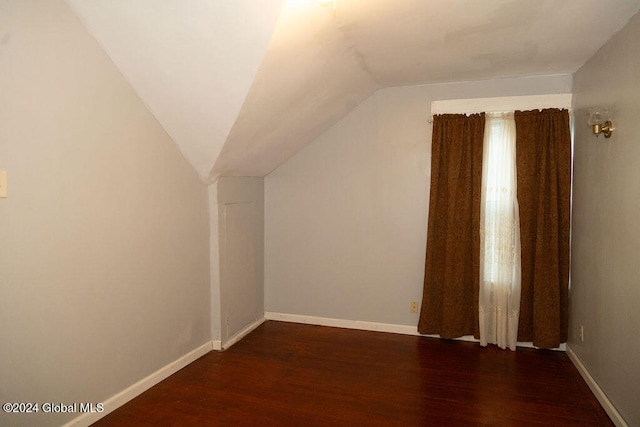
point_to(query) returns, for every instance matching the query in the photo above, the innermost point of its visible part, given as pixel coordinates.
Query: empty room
(319, 212)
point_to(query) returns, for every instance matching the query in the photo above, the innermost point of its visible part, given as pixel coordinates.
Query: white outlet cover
(3, 183)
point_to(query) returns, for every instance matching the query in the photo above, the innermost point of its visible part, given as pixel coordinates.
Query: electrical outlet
(3, 183)
(581, 333)
(413, 307)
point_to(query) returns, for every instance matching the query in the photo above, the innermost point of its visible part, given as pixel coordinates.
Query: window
(499, 294)
(452, 266)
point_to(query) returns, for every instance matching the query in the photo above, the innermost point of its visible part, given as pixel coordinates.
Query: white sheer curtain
(499, 303)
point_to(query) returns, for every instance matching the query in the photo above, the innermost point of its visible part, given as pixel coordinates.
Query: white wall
(104, 236)
(214, 267)
(346, 217)
(605, 285)
(240, 218)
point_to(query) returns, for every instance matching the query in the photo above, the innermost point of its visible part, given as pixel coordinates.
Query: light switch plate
(3, 183)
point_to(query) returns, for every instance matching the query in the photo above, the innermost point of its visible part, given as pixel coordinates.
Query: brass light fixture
(600, 122)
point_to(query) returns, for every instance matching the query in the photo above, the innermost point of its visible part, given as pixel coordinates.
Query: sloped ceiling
(241, 85)
(191, 62)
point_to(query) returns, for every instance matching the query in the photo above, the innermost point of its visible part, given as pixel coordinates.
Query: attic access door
(241, 288)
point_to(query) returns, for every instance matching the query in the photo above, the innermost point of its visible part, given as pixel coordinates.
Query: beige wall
(346, 217)
(104, 237)
(605, 284)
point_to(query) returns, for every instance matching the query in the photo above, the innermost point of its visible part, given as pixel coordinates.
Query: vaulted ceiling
(241, 85)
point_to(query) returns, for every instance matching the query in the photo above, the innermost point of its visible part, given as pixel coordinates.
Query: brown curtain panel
(451, 280)
(543, 161)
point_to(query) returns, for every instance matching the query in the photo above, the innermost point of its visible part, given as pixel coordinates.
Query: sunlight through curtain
(499, 295)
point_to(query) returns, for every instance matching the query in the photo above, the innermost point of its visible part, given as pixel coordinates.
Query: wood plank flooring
(300, 375)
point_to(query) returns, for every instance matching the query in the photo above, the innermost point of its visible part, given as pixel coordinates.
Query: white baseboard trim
(217, 345)
(597, 391)
(119, 399)
(242, 333)
(342, 323)
(371, 326)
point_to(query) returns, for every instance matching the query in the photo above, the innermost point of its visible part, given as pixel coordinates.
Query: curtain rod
(430, 120)
(501, 104)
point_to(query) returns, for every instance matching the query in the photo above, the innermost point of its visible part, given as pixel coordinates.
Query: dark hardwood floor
(299, 375)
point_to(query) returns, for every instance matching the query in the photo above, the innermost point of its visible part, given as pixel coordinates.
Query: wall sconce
(599, 121)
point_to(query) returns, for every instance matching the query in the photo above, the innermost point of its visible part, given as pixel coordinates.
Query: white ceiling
(191, 62)
(241, 85)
